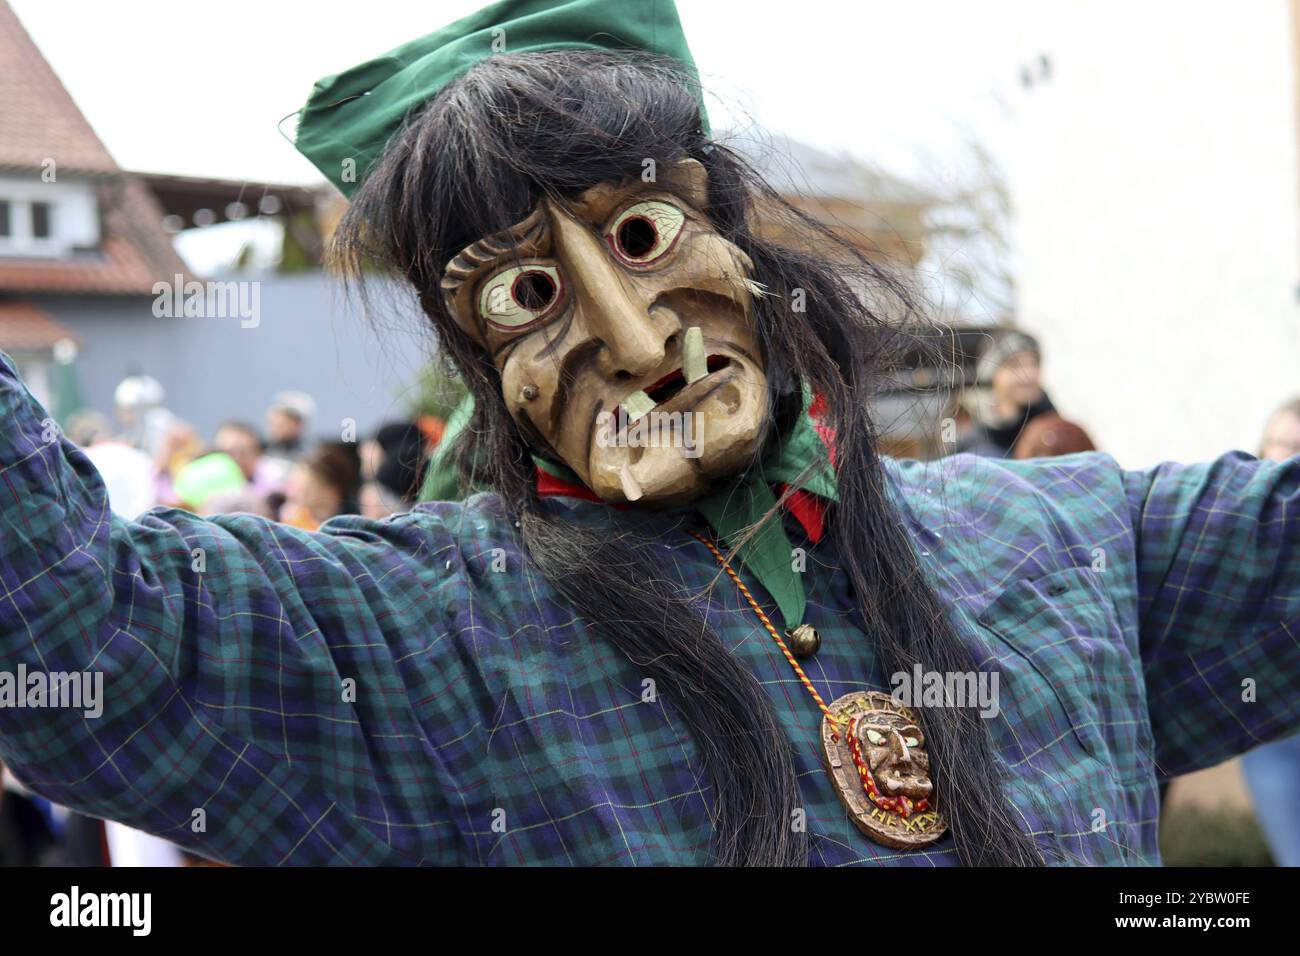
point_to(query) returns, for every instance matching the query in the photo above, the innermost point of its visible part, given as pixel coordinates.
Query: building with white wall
(1157, 215)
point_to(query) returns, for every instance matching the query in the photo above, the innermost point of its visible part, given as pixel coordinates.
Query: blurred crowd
(1006, 412)
(150, 457)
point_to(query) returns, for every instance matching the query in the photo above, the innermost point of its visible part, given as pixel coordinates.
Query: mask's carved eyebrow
(529, 237)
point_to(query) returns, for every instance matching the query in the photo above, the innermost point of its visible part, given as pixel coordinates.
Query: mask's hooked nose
(612, 306)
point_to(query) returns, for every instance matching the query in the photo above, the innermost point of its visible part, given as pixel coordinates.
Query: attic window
(47, 220)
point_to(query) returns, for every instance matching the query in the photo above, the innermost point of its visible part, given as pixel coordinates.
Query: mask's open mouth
(673, 383)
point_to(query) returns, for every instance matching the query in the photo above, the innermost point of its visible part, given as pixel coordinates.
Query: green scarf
(751, 502)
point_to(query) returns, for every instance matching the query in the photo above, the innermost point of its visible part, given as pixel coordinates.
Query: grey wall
(309, 338)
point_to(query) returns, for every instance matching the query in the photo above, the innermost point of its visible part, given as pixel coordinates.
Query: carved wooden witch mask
(621, 323)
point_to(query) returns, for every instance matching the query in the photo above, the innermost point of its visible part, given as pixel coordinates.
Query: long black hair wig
(476, 160)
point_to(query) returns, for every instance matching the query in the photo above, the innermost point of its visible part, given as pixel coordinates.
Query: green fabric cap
(352, 116)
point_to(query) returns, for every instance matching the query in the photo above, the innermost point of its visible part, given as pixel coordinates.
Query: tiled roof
(37, 116)
(25, 327)
(39, 120)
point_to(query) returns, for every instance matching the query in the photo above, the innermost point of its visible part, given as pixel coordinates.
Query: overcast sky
(198, 87)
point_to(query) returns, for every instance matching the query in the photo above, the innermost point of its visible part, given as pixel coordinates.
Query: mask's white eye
(645, 232)
(519, 296)
(912, 742)
(875, 738)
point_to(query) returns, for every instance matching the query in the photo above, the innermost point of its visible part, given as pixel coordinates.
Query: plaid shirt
(412, 691)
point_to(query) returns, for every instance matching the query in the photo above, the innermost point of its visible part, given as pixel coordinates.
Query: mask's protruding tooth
(695, 364)
(637, 405)
(631, 488)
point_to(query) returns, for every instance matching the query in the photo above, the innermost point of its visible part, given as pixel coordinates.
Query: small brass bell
(804, 640)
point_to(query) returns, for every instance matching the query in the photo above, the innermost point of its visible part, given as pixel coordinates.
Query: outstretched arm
(255, 682)
(1218, 566)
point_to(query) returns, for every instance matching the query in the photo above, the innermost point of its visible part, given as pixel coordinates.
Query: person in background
(1273, 771)
(145, 420)
(88, 427)
(1282, 433)
(180, 445)
(393, 466)
(128, 472)
(242, 443)
(1008, 379)
(1049, 435)
(265, 475)
(287, 423)
(324, 484)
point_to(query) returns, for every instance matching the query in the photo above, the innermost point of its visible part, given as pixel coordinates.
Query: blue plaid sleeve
(1218, 565)
(259, 683)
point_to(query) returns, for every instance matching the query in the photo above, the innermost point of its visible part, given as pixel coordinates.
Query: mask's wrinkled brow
(530, 237)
